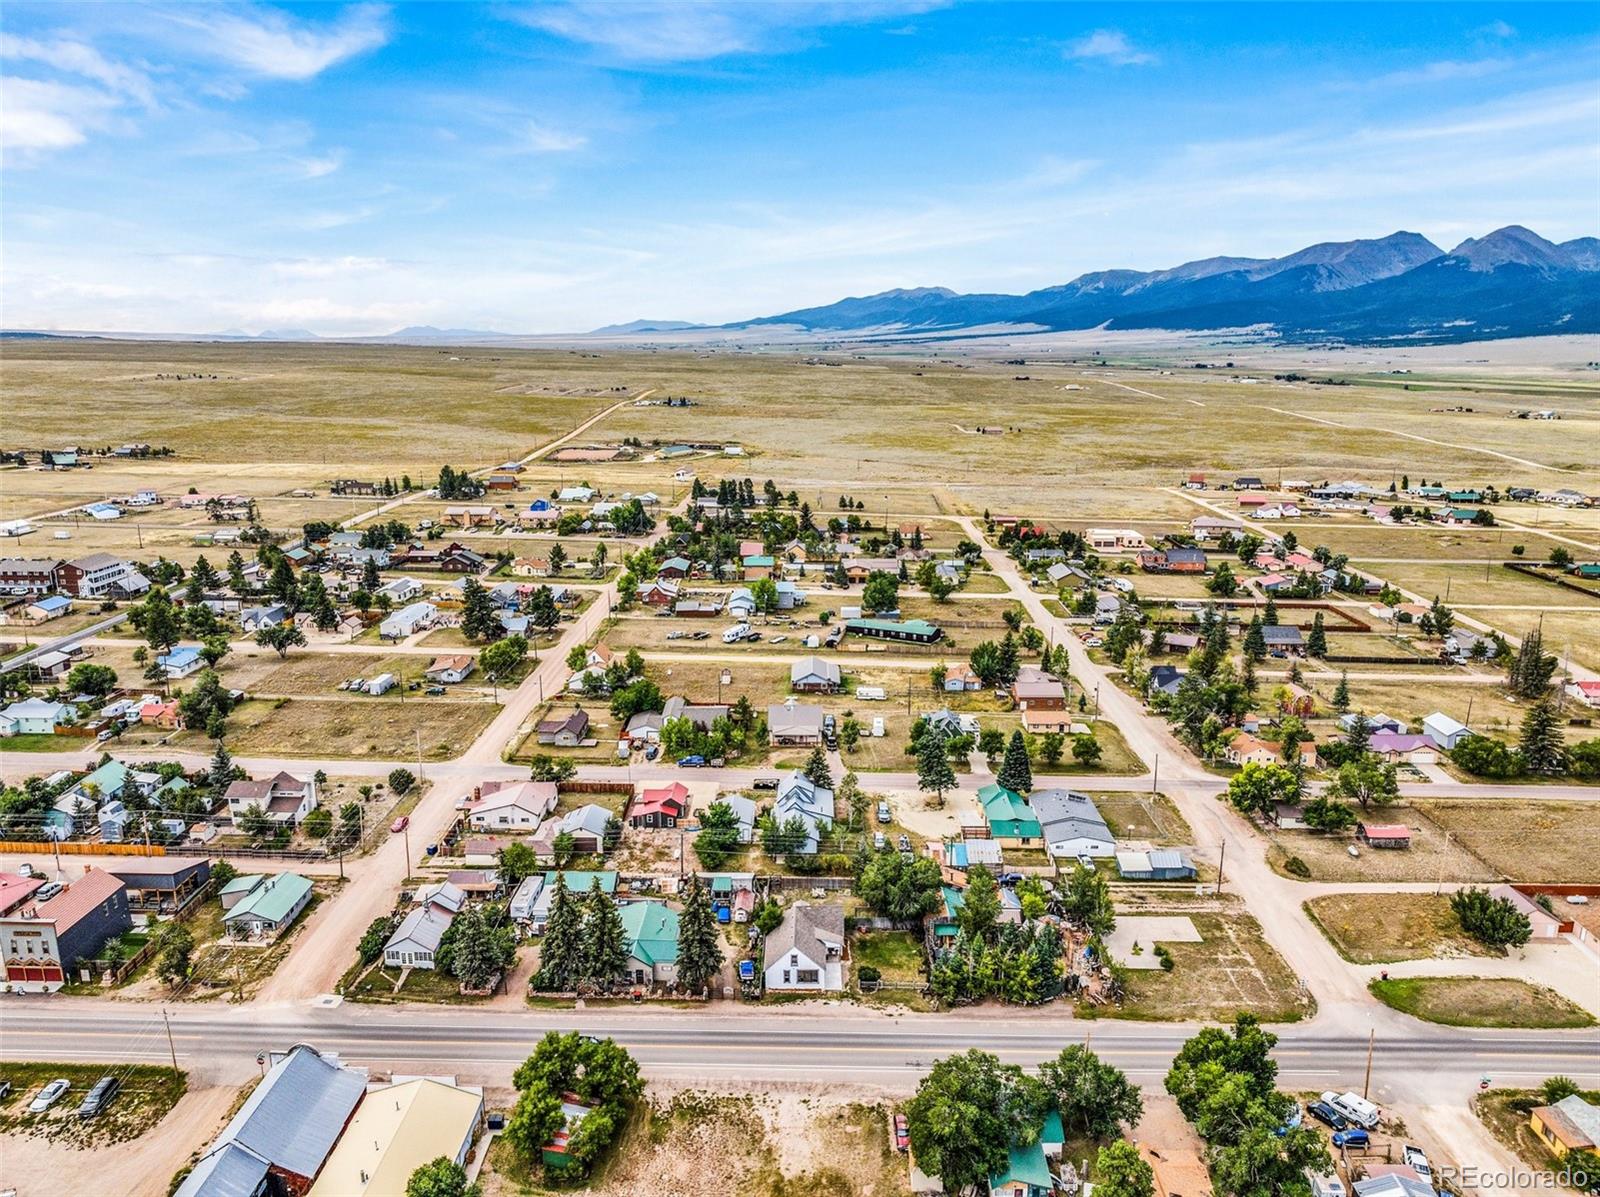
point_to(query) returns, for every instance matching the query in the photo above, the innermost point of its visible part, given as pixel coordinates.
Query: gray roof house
(1071, 824)
(794, 723)
(799, 797)
(807, 950)
(1281, 638)
(1165, 679)
(814, 673)
(745, 810)
(288, 1125)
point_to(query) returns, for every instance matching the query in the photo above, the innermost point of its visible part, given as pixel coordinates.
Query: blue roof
(179, 656)
(229, 1171)
(53, 602)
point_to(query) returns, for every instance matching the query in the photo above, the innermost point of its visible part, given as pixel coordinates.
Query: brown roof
(78, 899)
(454, 661)
(262, 788)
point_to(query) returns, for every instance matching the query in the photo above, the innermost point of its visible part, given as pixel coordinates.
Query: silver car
(49, 1095)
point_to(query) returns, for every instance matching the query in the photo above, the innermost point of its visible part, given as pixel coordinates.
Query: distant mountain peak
(1512, 245)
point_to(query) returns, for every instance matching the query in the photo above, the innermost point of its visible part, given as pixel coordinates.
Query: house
(575, 494)
(1284, 641)
(269, 906)
(1026, 1174)
(1585, 692)
(531, 567)
(758, 565)
(662, 593)
(1039, 720)
(814, 675)
(401, 590)
(45, 609)
(408, 620)
(1210, 527)
(588, 826)
(100, 575)
(1395, 747)
(15, 889)
(253, 619)
(1392, 1180)
(1384, 835)
(451, 669)
(1572, 1124)
(1165, 679)
(960, 677)
(35, 717)
(1249, 482)
(416, 940)
(566, 732)
(807, 951)
(791, 723)
(1541, 922)
(1247, 749)
(398, 1129)
(1173, 561)
(505, 806)
(741, 603)
(800, 798)
(659, 806)
(1375, 723)
(1036, 690)
(283, 798)
(745, 810)
(19, 575)
(1071, 825)
(1115, 540)
(477, 515)
(282, 1135)
(650, 938)
(578, 883)
(166, 715)
(790, 596)
(958, 857)
(1011, 820)
(1155, 864)
(915, 631)
(520, 908)
(41, 942)
(181, 662)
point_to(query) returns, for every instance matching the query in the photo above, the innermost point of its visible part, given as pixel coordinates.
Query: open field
(1233, 969)
(350, 728)
(1430, 856)
(1383, 928)
(1142, 817)
(1480, 1002)
(1523, 840)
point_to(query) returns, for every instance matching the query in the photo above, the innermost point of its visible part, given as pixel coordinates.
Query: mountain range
(1402, 287)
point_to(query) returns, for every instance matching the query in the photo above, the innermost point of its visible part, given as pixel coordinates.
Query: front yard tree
(1257, 789)
(281, 637)
(502, 658)
(1052, 745)
(967, 1113)
(991, 742)
(1441, 619)
(816, 770)
(882, 592)
(478, 618)
(1531, 669)
(1120, 1171)
(517, 862)
(94, 680)
(1328, 814)
(934, 774)
(1087, 901)
(718, 839)
(157, 620)
(1255, 641)
(442, 1177)
(401, 781)
(1095, 1099)
(174, 953)
(1086, 749)
(1341, 692)
(561, 950)
(1542, 744)
(254, 822)
(900, 889)
(605, 951)
(699, 941)
(1015, 771)
(483, 946)
(373, 938)
(600, 1074)
(542, 612)
(1490, 920)
(980, 906)
(1366, 781)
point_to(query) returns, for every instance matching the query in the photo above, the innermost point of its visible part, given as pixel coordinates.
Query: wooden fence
(83, 849)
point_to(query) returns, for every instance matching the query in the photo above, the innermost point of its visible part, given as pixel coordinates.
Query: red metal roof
(78, 899)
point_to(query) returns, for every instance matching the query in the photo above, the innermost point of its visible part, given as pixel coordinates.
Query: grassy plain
(1480, 1002)
(1383, 928)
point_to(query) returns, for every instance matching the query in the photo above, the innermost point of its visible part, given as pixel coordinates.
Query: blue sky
(537, 168)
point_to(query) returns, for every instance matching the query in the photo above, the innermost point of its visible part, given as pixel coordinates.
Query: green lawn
(895, 954)
(38, 742)
(1480, 1002)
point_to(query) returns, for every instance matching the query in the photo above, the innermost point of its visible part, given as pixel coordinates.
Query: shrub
(869, 974)
(1296, 867)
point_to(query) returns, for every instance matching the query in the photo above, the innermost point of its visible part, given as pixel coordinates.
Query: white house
(181, 661)
(1072, 826)
(1443, 730)
(35, 717)
(807, 951)
(416, 940)
(518, 805)
(409, 620)
(401, 590)
(283, 798)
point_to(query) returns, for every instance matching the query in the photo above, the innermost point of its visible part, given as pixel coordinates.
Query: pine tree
(1255, 641)
(561, 951)
(934, 774)
(1542, 744)
(1531, 670)
(220, 775)
(1341, 693)
(370, 581)
(478, 619)
(816, 770)
(1359, 734)
(1015, 771)
(236, 578)
(605, 954)
(699, 943)
(1317, 642)
(1248, 677)
(1269, 614)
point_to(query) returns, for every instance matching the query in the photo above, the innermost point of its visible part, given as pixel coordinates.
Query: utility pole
(1366, 1085)
(406, 834)
(171, 1050)
(1221, 861)
(1155, 774)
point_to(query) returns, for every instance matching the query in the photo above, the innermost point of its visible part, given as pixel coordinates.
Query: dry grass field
(350, 728)
(1524, 840)
(1430, 857)
(1383, 928)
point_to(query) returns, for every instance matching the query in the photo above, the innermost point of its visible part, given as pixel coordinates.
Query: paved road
(70, 638)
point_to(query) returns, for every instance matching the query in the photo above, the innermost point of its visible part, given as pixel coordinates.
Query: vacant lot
(351, 728)
(1524, 840)
(1384, 928)
(148, 1092)
(1233, 969)
(1430, 857)
(1480, 1002)
(1143, 817)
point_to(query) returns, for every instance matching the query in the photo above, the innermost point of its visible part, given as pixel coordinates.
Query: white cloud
(341, 267)
(276, 46)
(1111, 46)
(319, 167)
(674, 31)
(540, 138)
(39, 116)
(75, 58)
(1497, 29)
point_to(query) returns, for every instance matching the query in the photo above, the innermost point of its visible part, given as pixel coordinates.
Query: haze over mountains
(1400, 287)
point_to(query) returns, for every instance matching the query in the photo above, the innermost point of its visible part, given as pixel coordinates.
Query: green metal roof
(581, 882)
(722, 885)
(272, 902)
(758, 559)
(1008, 813)
(652, 931)
(920, 627)
(1027, 1165)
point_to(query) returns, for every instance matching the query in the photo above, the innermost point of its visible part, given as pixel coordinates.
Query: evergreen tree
(1341, 693)
(1359, 734)
(1269, 614)
(816, 770)
(283, 585)
(561, 950)
(699, 942)
(478, 619)
(1542, 744)
(1255, 641)
(1015, 771)
(1531, 670)
(157, 620)
(1317, 642)
(605, 951)
(370, 581)
(236, 578)
(980, 906)
(934, 774)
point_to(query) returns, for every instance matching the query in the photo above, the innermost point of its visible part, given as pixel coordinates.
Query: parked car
(884, 814)
(25, 870)
(902, 1133)
(5, 1090)
(434, 691)
(904, 843)
(879, 841)
(48, 891)
(1354, 1137)
(764, 783)
(651, 752)
(400, 824)
(49, 1095)
(1414, 1156)
(1327, 1115)
(98, 1098)
(695, 761)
